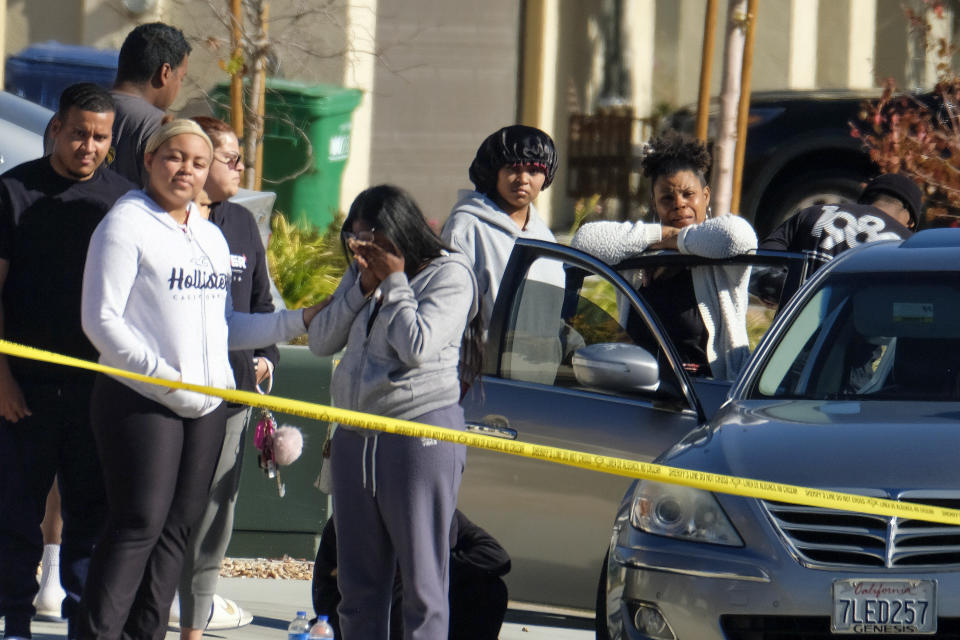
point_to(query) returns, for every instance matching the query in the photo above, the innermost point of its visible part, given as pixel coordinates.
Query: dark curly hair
(513, 145)
(674, 152)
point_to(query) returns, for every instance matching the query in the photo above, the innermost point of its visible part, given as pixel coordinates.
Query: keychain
(263, 441)
(278, 446)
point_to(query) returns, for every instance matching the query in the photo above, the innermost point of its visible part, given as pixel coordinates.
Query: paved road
(274, 603)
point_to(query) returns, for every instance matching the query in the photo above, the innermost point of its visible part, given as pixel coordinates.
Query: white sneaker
(50, 597)
(227, 614)
(224, 614)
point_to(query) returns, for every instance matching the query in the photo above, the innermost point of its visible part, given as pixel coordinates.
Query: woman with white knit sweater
(704, 309)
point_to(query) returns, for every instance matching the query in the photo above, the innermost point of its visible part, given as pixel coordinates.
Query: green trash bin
(307, 135)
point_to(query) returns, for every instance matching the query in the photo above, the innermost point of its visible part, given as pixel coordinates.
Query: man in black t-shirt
(888, 209)
(48, 210)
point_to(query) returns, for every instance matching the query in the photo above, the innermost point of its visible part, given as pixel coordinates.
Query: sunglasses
(233, 162)
(362, 236)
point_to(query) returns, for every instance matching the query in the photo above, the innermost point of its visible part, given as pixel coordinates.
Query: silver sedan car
(856, 388)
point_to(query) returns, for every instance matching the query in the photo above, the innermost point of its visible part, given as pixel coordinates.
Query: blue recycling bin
(42, 71)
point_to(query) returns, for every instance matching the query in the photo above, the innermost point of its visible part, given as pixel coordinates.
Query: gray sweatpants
(394, 498)
(211, 535)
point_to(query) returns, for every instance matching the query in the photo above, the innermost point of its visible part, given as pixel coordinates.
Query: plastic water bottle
(299, 628)
(321, 629)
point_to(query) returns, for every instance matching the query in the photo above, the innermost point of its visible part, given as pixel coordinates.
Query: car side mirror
(616, 366)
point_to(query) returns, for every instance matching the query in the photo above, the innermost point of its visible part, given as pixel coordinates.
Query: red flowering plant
(919, 135)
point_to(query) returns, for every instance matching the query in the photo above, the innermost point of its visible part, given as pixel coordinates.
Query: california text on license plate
(884, 606)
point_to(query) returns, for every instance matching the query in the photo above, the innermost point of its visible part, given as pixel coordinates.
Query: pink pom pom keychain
(278, 446)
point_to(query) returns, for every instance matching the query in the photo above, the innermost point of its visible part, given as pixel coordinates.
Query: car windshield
(870, 336)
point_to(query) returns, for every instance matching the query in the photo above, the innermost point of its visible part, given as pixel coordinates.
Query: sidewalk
(274, 603)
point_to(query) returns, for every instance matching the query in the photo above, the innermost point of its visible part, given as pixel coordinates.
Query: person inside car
(703, 309)
(888, 209)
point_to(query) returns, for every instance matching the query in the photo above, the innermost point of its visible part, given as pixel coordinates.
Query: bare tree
(725, 143)
(257, 43)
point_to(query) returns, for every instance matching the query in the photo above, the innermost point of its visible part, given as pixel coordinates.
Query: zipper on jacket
(194, 245)
(378, 297)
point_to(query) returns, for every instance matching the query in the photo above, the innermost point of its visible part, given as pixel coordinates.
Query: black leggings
(157, 468)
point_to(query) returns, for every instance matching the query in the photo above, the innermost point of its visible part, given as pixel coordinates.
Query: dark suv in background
(799, 152)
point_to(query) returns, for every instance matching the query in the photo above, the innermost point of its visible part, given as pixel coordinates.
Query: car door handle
(491, 430)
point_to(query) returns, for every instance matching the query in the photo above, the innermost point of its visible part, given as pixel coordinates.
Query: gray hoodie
(485, 234)
(403, 362)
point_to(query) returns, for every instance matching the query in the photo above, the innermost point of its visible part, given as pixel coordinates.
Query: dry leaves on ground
(286, 568)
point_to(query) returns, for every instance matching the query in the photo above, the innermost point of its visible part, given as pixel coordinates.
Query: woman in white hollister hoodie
(400, 314)
(156, 301)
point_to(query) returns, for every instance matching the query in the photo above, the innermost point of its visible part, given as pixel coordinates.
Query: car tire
(601, 609)
(807, 190)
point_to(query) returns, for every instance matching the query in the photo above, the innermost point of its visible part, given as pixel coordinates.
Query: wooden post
(743, 113)
(236, 78)
(261, 107)
(706, 69)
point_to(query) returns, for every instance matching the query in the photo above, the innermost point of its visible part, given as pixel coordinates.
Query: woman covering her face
(704, 309)
(157, 301)
(400, 312)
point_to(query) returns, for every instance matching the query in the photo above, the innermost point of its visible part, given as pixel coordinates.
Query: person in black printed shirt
(48, 210)
(888, 209)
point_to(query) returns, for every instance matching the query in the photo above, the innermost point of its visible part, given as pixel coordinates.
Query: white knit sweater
(721, 291)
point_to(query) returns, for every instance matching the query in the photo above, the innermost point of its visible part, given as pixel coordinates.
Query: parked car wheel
(601, 620)
(807, 190)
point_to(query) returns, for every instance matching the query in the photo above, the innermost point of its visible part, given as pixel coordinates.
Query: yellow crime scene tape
(715, 482)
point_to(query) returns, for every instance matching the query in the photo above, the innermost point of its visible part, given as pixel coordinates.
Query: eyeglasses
(233, 162)
(362, 236)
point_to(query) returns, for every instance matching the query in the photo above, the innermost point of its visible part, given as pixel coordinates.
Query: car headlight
(681, 512)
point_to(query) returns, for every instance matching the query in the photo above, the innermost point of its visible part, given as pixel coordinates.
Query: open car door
(561, 369)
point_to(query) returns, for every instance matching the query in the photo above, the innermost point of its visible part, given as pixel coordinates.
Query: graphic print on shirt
(837, 228)
(238, 263)
(196, 278)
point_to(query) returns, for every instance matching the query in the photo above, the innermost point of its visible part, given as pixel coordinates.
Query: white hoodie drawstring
(373, 463)
(373, 470)
(363, 463)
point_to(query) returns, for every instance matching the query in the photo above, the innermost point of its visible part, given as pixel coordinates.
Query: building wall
(446, 78)
(441, 75)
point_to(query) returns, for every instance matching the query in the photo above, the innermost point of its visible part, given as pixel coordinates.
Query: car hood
(838, 445)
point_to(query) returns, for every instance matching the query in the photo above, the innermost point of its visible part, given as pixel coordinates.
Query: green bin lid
(318, 99)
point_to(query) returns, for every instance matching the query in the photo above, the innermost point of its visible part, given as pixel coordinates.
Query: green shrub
(306, 265)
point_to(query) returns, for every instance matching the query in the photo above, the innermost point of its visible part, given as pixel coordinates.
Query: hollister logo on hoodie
(181, 279)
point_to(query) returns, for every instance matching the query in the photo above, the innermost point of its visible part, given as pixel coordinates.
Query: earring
(709, 211)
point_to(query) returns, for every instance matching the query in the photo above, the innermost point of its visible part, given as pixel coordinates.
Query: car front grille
(825, 538)
(813, 628)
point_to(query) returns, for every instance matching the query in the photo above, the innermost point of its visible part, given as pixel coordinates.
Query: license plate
(884, 606)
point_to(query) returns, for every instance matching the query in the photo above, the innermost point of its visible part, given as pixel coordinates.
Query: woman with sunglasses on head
(200, 608)
(156, 301)
(402, 311)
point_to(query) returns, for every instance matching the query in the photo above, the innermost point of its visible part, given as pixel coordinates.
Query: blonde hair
(175, 128)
